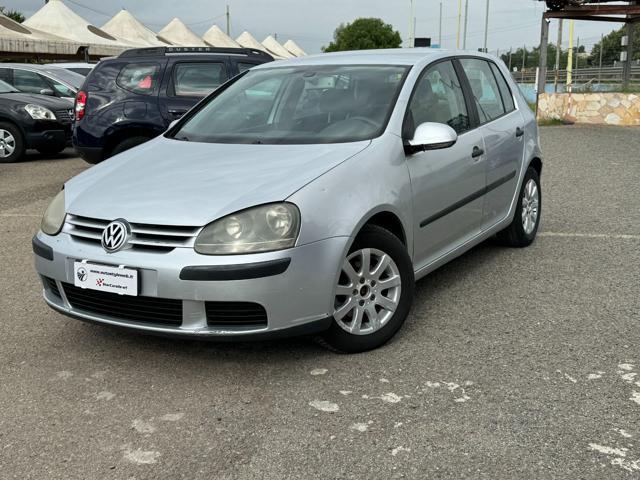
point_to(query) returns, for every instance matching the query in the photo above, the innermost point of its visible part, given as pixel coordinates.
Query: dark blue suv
(129, 99)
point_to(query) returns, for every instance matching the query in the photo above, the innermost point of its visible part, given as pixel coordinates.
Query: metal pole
(228, 21)
(542, 70)
(524, 56)
(556, 77)
(570, 58)
(466, 20)
(459, 22)
(600, 64)
(626, 71)
(486, 28)
(411, 25)
(510, 54)
(577, 58)
(440, 28)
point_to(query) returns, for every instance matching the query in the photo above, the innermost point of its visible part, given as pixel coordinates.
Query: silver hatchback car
(302, 197)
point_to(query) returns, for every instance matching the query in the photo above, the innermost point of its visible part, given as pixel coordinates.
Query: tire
(518, 234)
(50, 151)
(128, 143)
(12, 145)
(371, 333)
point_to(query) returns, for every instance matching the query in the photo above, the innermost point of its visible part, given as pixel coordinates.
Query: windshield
(310, 104)
(6, 88)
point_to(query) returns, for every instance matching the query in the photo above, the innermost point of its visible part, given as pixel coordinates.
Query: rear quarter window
(140, 78)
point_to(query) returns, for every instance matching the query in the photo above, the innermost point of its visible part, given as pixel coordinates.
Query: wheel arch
(115, 136)
(536, 164)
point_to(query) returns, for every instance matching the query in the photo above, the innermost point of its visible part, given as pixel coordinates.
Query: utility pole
(228, 21)
(577, 57)
(600, 63)
(440, 28)
(541, 81)
(524, 57)
(558, 56)
(459, 22)
(466, 20)
(510, 55)
(411, 25)
(486, 28)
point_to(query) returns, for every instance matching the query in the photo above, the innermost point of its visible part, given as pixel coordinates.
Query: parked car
(560, 4)
(81, 68)
(42, 79)
(32, 121)
(303, 197)
(130, 99)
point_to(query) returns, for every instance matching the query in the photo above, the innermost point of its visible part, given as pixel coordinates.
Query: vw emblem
(116, 236)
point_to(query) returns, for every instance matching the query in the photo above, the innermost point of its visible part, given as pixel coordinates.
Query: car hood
(171, 182)
(52, 103)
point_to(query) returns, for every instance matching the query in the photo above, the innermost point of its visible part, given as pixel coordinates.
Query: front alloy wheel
(373, 294)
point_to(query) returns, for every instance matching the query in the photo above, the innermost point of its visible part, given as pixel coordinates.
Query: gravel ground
(512, 364)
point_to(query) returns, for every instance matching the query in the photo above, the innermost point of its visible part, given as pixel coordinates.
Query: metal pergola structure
(594, 11)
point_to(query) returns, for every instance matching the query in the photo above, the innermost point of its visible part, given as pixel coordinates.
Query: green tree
(611, 47)
(12, 14)
(364, 34)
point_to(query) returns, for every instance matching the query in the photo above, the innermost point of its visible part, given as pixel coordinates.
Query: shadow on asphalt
(91, 336)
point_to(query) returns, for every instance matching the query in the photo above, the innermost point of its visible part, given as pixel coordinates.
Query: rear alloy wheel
(524, 227)
(373, 295)
(11, 144)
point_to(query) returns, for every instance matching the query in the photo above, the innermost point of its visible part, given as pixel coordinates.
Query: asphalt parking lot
(512, 364)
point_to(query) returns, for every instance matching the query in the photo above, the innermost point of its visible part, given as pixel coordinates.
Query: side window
(61, 90)
(438, 97)
(29, 82)
(507, 97)
(484, 87)
(139, 78)
(243, 67)
(198, 79)
(5, 75)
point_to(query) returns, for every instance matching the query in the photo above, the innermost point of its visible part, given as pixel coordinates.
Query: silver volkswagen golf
(303, 197)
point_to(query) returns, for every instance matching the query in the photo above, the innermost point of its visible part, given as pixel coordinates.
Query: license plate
(120, 280)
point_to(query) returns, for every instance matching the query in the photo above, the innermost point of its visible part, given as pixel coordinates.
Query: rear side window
(198, 79)
(5, 75)
(507, 97)
(30, 82)
(243, 67)
(139, 78)
(484, 88)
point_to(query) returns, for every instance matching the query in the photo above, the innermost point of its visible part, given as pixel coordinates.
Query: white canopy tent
(294, 48)
(273, 47)
(179, 34)
(247, 40)
(57, 19)
(217, 38)
(24, 41)
(124, 25)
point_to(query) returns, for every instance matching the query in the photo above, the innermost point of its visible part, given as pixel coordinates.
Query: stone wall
(599, 108)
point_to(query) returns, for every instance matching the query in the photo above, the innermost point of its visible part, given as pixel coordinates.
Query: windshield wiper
(183, 138)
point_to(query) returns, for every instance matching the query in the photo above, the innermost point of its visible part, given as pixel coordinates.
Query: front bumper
(48, 134)
(297, 294)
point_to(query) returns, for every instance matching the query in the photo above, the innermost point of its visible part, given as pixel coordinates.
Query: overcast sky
(311, 23)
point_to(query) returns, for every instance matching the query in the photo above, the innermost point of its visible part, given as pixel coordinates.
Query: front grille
(234, 314)
(163, 311)
(64, 115)
(53, 286)
(159, 238)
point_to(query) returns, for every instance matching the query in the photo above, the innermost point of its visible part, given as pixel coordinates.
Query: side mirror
(47, 91)
(431, 136)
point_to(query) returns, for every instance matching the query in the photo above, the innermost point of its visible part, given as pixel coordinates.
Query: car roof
(395, 56)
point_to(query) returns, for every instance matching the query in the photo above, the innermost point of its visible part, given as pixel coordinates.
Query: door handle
(519, 132)
(477, 152)
(177, 113)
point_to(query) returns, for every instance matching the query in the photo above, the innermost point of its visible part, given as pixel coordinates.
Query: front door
(447, 184)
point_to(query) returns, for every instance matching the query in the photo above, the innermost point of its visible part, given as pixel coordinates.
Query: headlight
(38, 112)
(54, 216)
(259, 229)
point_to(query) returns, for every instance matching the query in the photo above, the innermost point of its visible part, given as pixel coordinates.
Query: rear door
(188, 82)
(447, 184)
(502, 129)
